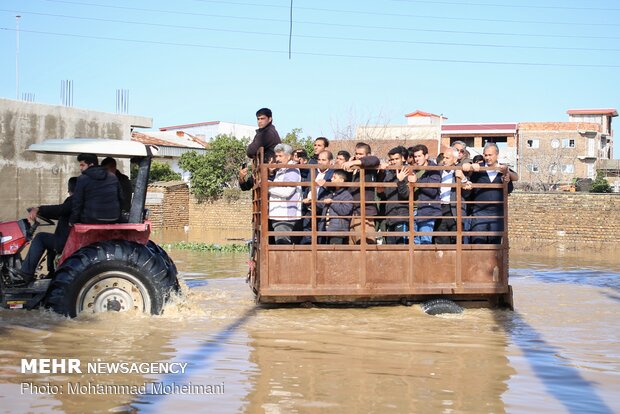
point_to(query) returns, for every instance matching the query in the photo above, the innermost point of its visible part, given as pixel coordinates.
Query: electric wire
(264, 19)
(358, 39)
(377, 13)
(317, 54)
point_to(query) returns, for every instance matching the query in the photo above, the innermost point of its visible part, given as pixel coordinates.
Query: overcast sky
(352, 62)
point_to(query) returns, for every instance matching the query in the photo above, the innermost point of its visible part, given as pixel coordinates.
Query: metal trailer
(474, 275)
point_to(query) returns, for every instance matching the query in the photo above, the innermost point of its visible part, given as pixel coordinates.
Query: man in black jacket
(266, 136)
(110, 164)
(98, 196)
(448, 197)
(397, 213)
(490, 212)
(53, 243)
(364, 163)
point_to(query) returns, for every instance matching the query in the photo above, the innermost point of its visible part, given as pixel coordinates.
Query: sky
(351, 62)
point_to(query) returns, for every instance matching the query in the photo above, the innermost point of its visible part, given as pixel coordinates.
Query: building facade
(556, 153)
(31, 179)
(476, 136)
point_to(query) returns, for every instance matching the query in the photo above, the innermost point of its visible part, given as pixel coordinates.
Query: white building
(171, 146)
(206, 131)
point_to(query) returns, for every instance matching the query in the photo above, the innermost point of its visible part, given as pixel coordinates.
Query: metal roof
(103, 147)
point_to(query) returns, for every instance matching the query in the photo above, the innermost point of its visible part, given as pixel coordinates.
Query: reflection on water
(558, 352)
(201, 236)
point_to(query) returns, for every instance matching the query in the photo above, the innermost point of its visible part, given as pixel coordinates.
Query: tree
(600, 184)
(545, 168)
(160, 171)
(295, 140)
(211, 172)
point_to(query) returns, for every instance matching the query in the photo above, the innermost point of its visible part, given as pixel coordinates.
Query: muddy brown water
(557, 352)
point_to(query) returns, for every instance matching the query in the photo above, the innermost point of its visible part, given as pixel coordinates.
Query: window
(533, 143)
(532, 168)
(553, 169)
(568, 168)
(555, 143)
(568, 143)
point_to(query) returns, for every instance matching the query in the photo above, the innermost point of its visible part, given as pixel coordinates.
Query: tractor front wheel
(109, 276)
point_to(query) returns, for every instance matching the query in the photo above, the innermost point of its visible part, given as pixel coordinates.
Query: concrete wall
(534, 217)
(29, 179)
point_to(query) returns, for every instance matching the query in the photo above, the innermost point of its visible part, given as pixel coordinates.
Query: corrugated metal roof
(170, 139)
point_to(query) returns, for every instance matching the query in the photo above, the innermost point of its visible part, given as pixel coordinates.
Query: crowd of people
(339, 205)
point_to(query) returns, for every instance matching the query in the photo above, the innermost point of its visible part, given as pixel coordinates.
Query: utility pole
(17, 58)
(439, 141)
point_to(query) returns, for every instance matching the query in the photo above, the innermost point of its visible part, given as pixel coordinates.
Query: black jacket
(267, 138)
(335, 211)
(97, 198)
(126, 189)
(370, 176)
(464, 197)
(426, 196)
(392, 194)
(488, 194)
(60, 212)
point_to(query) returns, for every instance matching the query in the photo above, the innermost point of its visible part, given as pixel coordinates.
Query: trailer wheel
(115, 275)
(439, 306)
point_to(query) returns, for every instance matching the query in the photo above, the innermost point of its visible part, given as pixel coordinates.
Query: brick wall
(226, 213)
(568, 217)
(558, 217)
(168, 204)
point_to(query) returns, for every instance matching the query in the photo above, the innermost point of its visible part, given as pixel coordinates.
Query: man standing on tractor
(266, 136)
(53, 243)
(98, 196)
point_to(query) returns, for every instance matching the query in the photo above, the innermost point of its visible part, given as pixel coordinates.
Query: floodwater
(558, 352)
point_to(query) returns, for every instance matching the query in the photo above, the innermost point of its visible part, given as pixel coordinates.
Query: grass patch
(210, 247)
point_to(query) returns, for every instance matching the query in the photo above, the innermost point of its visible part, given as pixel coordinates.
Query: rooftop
(173, 127)
(168, 139)
(419, 113)
(595, 111)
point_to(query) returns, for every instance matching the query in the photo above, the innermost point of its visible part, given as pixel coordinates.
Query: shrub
(160, 171)
(600, 184)
(217, 169)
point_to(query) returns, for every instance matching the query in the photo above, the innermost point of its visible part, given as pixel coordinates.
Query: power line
(514, 6)
(264, 19)
(358, 39)
(335, 55)
(376, 13)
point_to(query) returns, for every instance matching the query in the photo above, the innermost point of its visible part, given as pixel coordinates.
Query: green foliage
(210, 247)
(217, 168)
(160, 171)
(600, 185)
(295, 140)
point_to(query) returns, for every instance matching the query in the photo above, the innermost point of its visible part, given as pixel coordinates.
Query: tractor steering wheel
(46, 221)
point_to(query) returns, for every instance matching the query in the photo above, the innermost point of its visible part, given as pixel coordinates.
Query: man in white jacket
(285, 202)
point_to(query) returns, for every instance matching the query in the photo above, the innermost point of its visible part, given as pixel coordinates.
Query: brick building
(476, 136)
(421, 128)
(553, 153)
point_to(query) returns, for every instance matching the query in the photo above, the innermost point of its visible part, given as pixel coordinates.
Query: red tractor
(103, 267)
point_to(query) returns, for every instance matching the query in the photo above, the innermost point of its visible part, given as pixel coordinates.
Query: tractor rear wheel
(116, 275)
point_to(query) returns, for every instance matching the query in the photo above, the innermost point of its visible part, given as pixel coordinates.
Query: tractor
(103, 267)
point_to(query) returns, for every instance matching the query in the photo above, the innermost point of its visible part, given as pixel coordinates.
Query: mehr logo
(51, 366)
